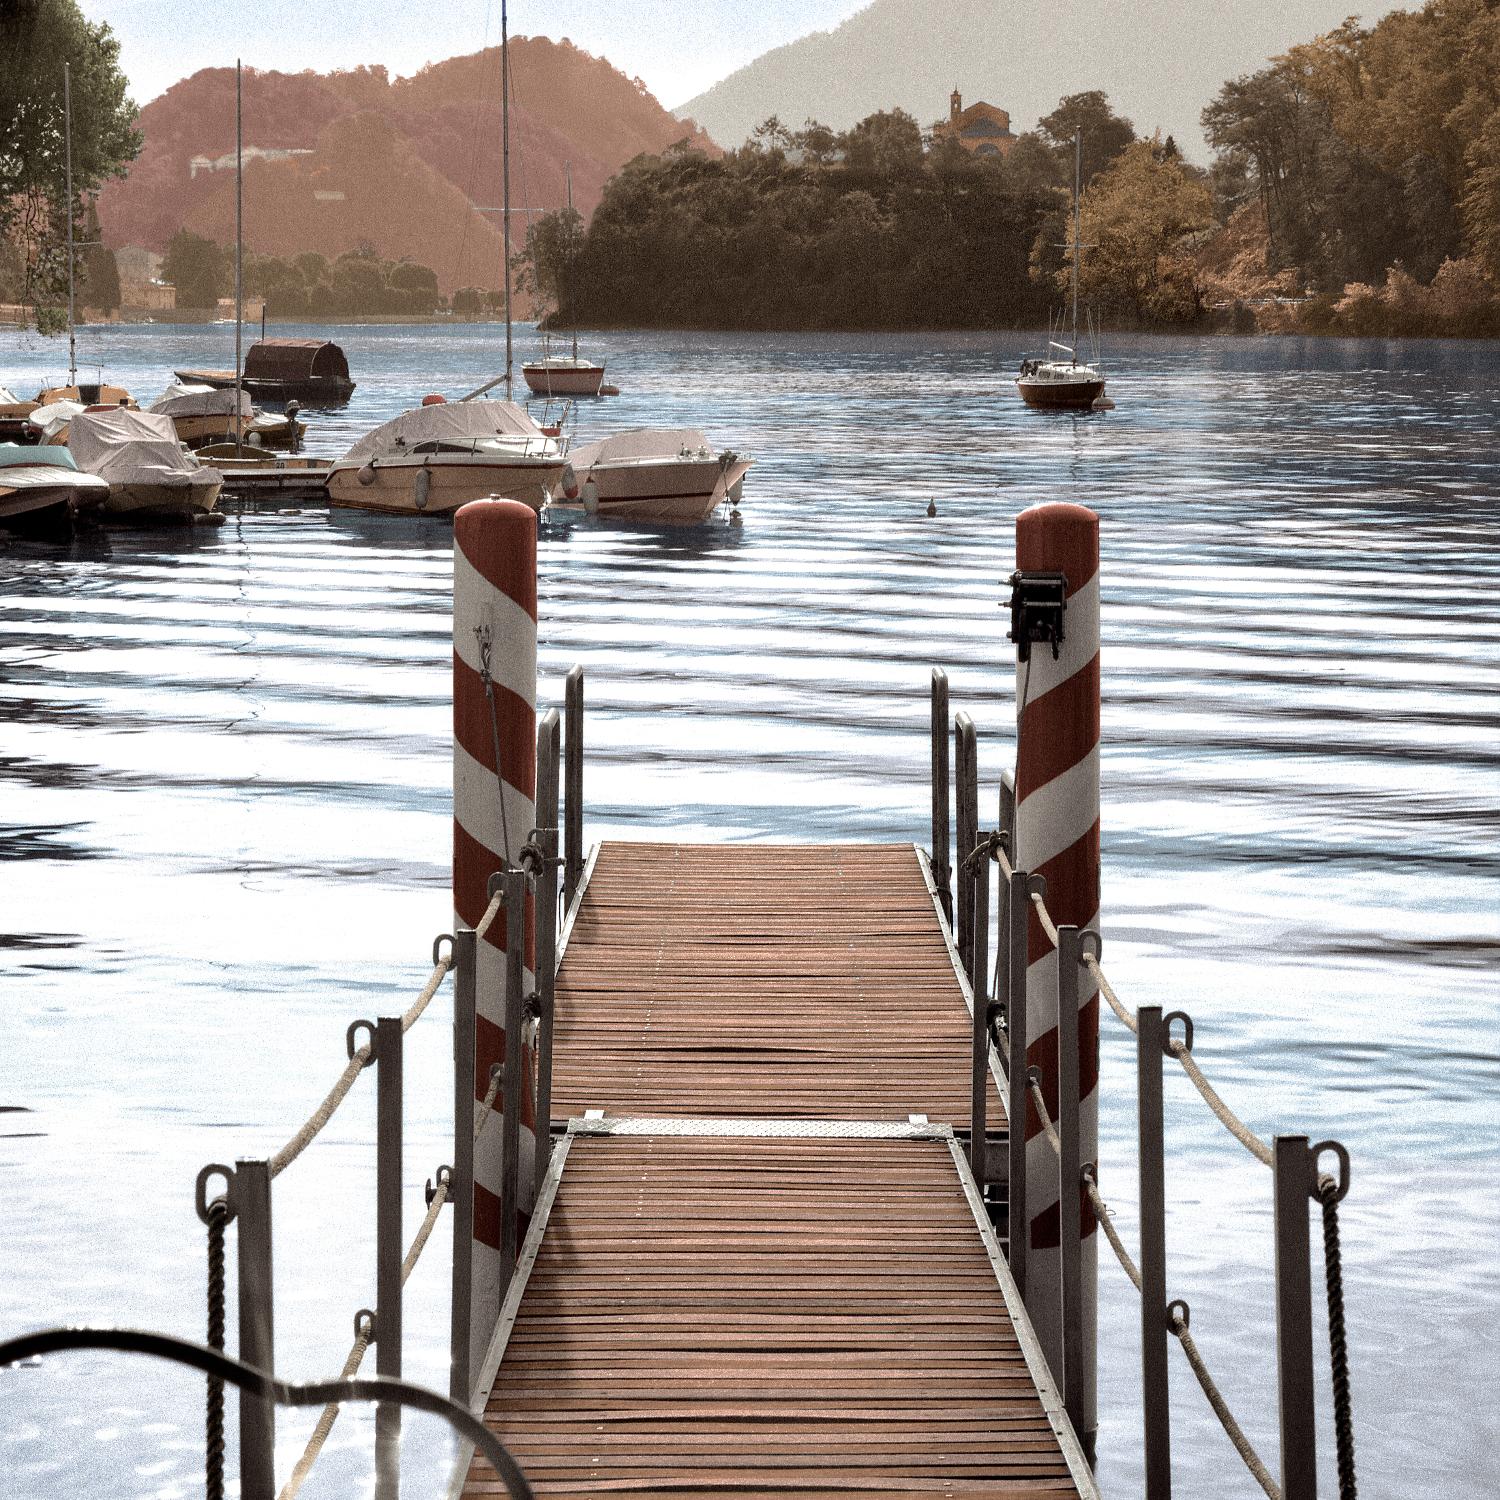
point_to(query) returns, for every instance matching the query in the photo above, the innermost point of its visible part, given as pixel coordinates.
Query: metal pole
(68, 157)
(1294, 1349)
(239, 266)
(1155, 1388)
(966, 823)
(252, 1211)
(510, 1124)
(573, 791)
(388, 1248)
(1008, 812)
(1070, 1173)
(1017, 1103)
(980, 1032)
(505, 183)
(465, 963)
(942, 869)
(546, 928)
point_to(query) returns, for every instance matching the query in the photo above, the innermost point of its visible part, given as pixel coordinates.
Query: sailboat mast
(1077, 229)
(568, 168)
(68, 157)
(239, 261)
(505, 182)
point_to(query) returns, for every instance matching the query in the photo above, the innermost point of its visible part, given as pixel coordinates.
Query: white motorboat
(202, 414)
(432, 460)
(42, 484)
(666, 475)
(148, 471)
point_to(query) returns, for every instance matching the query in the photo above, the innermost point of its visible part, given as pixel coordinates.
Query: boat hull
(162, 499)
(1060, 395)
(393, 486)
(676, 492)
(563, 380)
(315, 391)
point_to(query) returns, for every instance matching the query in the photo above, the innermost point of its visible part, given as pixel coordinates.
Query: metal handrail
(257, 1383)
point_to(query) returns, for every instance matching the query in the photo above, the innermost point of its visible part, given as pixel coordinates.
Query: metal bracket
(200, 1190)
(349, 1044)
(437, 948)
(1344, 1169)
(364, 1325)
(1038, 601)
(1166, 1031)
(1187, 1313)
(444, 1177)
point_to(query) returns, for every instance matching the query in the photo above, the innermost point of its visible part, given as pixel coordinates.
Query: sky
(678, 47)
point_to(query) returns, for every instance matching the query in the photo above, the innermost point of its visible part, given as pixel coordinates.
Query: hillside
(1160, 61)
(399, 164)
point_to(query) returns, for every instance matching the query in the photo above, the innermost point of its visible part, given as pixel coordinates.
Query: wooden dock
(757, 1263)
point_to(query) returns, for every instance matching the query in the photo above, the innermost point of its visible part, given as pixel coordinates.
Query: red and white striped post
(1057, 815)
(494, 787)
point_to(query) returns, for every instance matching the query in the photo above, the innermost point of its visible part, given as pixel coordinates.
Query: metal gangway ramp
(758, 1263)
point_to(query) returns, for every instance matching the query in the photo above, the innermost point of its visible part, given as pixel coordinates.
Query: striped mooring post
(1057, 816)
(494, 790)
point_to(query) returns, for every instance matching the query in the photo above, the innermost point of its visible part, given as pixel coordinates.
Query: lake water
(225, 814)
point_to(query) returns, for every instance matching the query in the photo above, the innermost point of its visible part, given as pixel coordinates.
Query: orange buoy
(434, 400)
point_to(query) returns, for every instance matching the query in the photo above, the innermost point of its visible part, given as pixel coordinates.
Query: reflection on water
(226, 824)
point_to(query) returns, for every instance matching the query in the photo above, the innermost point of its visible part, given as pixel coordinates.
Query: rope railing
(1106, 1222)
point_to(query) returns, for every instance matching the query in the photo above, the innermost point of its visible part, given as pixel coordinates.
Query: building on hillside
(137, 265)
(225, 163)
(255, 308)
(981, 129)
(148, 296)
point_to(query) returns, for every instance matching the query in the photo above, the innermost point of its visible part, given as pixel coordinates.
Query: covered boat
(39, 484)
(666, 475)
(148, 471)
(15, 426)
(312, 371)
(204, 413)
(432, 460)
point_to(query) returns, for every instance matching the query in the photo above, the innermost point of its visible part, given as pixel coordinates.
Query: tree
(467, 302)
(1136, 215)
(36, 38)
(1105, 134)
(549, 261)
(200, 270)
(817, 142)
(771, 134)
(100, 284)
(889, 141)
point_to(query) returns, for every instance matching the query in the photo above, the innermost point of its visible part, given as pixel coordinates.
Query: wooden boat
(311, 371)
(432, 460)
(666, 476)
(1066, 383)
(148, 471)
(15, 414)
(86, 394)
(204, 413)
(40, 485)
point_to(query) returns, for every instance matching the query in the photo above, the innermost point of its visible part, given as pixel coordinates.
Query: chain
(213, 1444)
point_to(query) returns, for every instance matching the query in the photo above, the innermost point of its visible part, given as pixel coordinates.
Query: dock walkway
(757, 1263)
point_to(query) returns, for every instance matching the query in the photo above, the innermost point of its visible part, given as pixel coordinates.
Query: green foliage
(201, 271)
(36, 38)
(1105, 134)
(99, 282)
(357, 284)
(1372, 147)
(863, 232)
(553, 245)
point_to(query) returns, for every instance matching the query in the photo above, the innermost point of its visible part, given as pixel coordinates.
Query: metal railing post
(1155, 1386)
(942, 868)
(546, 929)
(1008, 813)
(980, 1032)
(965, 825)
(1070, 1172)
(465, 961)
(1295, 1182)
(514, 885)
(252, 1209)
(1017, 1102)
(389, 1065)
(573, 788)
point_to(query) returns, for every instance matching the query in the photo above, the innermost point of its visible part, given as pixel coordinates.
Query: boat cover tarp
(447, 421)
(51, 419)
(640, 442)
(22, 453)
(9, 398)
(134, 447)
(295, 360)
(183, 400)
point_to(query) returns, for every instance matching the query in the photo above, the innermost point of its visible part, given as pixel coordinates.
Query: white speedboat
(562, 374)
(432, 460)
(42, 484)
(204, 413)
(148, 471)
(667, 475)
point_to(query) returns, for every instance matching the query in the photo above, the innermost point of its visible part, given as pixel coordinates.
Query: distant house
(225, 163)
(981, 129)
(137, 265)
(154, 296)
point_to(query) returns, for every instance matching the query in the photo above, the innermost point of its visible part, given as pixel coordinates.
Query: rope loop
(991, 845)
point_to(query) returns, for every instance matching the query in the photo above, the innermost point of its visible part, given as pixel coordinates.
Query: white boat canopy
(183, 400)
(642, 443)
(133, 447)
(457, 422)
(55, 415)
(9, 397)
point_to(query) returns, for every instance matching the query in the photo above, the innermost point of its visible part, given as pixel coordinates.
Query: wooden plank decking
(768, 1315)
(763, 979)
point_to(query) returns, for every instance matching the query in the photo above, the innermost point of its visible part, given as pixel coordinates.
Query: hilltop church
(981, 129)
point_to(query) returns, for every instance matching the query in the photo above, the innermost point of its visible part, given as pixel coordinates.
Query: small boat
(49, 424)
(204, 413)
(86, 394)
(670, 476)
(44, 486)
(1060, 380)
(312, 371)
(149, 472)
(562, 374)
(442, 455)
(15, 415)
